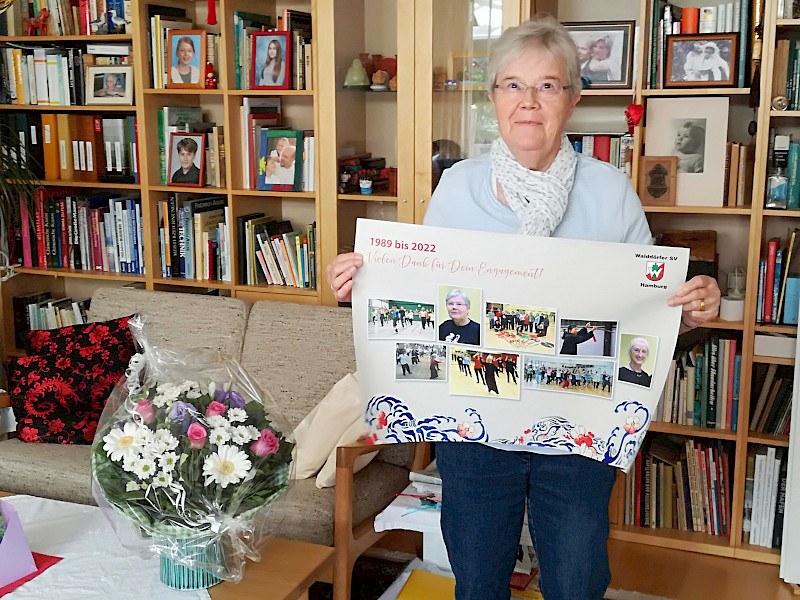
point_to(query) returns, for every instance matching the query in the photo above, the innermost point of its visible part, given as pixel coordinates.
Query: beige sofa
(297, 352)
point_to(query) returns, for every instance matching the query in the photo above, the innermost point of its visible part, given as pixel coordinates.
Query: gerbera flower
(228, 465)
(144, 467)
(121, 443)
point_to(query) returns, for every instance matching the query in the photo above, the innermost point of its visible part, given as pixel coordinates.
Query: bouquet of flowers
(189, 451)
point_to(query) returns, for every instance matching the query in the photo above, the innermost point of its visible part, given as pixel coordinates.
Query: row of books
(58, 76)
(38, 310)
(684, 486)
(162, 59)
(779, 281)
(786, 72)
(272, 252)
(69, 17)
(189, 119)
(739, 164)
(772, 411)
(764, 497)
(616, 149)
(72, 147)
(98, 232)
(665, 19)
(702, 388)
(194, 237)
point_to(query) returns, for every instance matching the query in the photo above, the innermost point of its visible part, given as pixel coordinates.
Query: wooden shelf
(768, 439)
(700, 210)
(721, 91)
(720, 324)
(183, 92)
(67, 38)
(82, 274)
(270, 92)
(776, 328)
(760, 554)
(89, 184)
(776, 114)
(77, 108)
(622, 92)
(706, 543)
(268, 193)
(787, 22)
(280, 290)
(773, 360)
(793, 214)
(374, 197)
(690, 430)
(16, 353)
(182, 188)
(224, 285)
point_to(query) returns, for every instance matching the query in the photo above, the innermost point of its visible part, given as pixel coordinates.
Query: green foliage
(16, 181)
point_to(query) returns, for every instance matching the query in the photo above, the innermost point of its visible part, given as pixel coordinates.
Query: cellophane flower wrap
(189, 457)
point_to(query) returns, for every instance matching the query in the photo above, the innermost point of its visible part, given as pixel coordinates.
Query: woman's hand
(340, 273)
(699, 298)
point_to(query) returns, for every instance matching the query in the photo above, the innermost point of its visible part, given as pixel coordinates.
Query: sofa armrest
(5, 400)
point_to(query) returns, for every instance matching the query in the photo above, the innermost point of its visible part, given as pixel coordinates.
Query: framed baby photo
(187, 159)
(658, 180)
(187, 58)
(605, 52)
(701, 60)
(271, 60)
(111, 84)
(695, 131)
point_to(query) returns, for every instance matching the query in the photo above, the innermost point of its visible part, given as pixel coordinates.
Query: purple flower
(236, 400)
(182, 412)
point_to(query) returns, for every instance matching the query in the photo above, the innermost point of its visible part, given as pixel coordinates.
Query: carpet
(371, 577)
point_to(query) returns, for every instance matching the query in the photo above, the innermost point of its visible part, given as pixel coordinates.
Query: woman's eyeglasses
(547, 90)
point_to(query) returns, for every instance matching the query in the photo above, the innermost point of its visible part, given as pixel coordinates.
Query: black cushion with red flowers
(58, 396)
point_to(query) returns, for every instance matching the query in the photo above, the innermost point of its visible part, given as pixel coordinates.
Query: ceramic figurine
(393, 84)
(211, 77)
(356, 75)
(380, 81)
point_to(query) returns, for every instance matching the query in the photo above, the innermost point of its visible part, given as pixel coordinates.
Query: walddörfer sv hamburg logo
(655, 271)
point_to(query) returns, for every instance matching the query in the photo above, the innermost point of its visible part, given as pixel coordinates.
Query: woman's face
(111, 82)
(600, 50)
(584, 51)
(272, 50)
(639, 352)
(530, 126)
(457, 308)
(185, 53)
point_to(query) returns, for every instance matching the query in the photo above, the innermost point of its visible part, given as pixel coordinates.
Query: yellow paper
(422, 585)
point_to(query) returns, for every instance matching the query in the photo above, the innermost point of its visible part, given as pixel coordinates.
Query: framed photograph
(468, 69)
(658, 178)
(695, 131)
(605, 51)
(110, 84)
(271, 61)
(280, 165)
(187, 58)
(187, 159)
(701, 60)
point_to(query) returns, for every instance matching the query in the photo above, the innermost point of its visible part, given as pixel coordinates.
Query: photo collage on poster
(497, 349)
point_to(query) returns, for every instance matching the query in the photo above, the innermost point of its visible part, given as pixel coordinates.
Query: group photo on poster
(520, 327)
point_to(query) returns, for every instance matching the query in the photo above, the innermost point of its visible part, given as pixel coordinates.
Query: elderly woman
(533, 183)
(638, 350)
(601, 67)
(459, 328)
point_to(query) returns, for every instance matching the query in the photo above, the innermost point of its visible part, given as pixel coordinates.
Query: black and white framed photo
(605, 51)
(701, 60)
(110, 84)
(187, 159)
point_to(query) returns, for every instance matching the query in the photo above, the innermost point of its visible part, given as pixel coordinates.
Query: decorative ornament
(39, 23)
(211, 77)
(212, 12)
(633, 114)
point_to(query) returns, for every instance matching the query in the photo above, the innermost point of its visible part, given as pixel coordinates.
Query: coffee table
(286, 571)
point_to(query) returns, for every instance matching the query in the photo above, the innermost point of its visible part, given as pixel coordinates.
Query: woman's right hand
(340, 272)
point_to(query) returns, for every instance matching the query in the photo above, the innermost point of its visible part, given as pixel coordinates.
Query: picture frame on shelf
(187, 159)
(109, 84)
(468, 70)
(605, 51)
(695, 131)
(187, 58)
(701, 60)
(271, 64)
(658, 176)
(280, 166)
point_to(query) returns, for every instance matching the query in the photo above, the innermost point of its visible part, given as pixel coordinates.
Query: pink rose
(197, 435)
(266, 444)
(145, 409)
(215, 408)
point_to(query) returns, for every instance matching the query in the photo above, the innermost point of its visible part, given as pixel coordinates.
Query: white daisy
(219, 435)
(144, 468)
(168, 461)
(217, 421)
(165, 441)
(129, 462)
(120, 443)
(162, 479)
(240, 435)
(237, 415)
(228, 465)
(131, 486)
(253, 431)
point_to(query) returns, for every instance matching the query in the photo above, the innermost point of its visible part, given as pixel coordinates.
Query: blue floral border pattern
(400, 425)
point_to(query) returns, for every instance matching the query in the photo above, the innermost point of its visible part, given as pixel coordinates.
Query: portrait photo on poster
(481, 373)
(187, 159)
(637, 359)
(582, 337)
(420, 362)
(701, 60)
(574, 376)
(519, 327)
(187, 58)
(605, 52)
(271, 60)
(459, 311)
(109, 84)
(400, 319)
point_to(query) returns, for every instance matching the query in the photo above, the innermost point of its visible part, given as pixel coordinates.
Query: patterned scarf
(539, 198)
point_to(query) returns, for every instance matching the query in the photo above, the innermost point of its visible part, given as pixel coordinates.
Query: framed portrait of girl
(271, 60)
(187, 58)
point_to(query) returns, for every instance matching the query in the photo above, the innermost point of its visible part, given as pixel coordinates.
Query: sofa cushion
(327, 474)
(113, 334)
(62, 472)
(178, 320)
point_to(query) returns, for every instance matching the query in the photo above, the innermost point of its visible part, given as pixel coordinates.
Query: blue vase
(181, 577)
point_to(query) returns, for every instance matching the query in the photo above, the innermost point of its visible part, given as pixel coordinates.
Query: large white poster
(487, 337)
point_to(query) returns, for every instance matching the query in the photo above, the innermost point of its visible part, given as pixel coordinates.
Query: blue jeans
(483, 505)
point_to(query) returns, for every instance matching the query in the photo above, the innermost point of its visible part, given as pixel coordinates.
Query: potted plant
(18, 183)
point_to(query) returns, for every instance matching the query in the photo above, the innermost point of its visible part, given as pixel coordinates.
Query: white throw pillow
(318, 433)
(327, 475)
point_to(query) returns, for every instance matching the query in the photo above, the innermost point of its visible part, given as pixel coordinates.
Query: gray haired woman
(459, 328)
(638, 351)
(533, 183)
